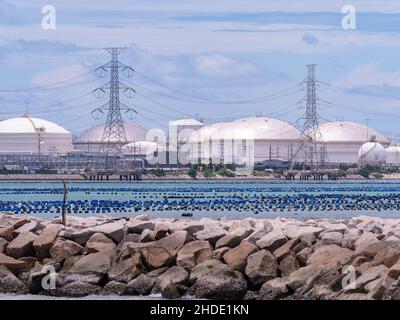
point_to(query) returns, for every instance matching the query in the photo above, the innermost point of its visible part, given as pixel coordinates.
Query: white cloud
(368, 75)
(62, 74)
(222, 66)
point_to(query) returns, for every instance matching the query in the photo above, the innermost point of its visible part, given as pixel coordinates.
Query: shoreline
(79, 178)
(263, 259)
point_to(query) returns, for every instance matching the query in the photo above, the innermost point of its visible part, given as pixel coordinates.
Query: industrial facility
(269, 139)
(125, 147)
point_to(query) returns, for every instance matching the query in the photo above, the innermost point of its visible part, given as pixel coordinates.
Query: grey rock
(113, 288)
(22, 245)
(63, 249)
(261, 267)
(78, 289)
(233, 238)
(140, 286)
(9, 283)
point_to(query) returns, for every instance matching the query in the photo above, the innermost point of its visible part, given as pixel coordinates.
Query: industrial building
(343, 140)
(27, 135)
(33, 142)
(90, 140)
(372, 153)
(262, 137)
(273, 139)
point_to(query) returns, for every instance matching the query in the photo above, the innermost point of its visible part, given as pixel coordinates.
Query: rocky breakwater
(279, 258)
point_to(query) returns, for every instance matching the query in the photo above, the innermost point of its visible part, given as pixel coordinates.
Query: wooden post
(63, 211)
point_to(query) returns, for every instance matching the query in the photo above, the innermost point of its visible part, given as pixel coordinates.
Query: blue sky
(225, 50)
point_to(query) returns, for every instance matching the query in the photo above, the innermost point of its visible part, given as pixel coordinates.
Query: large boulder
(261, 267)
(207, 267)
(126, 270)
(22, 245)
(113, 230)
(236, 258)
(9, 283)
(173, 242)
(31, 226)
(293, 231)
(273, 289)
(171, 280)
(370, 275)
(113, 288)
(394, 271)
(364, 240)
(7, 233)
(193, 253)
(330, 256)
(99, 242)
(211, 234)
(286, 249)
(177, 275)
(382, 252)
(156, 257)
(3, 245)
(43, 243)
(78, 289)
(12, 264)
(331, 237)
(80, 236)
(140, 286)
(272, 240)
(160, 230)
(147, 236)
(303, 278)
(288, 265)
(256, 235)
(63, 249)
(221, 284)
(233, 238)
(95, 263)
(138, 226)
(162, 252)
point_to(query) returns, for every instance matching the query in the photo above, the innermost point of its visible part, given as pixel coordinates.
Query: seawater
(234, 199)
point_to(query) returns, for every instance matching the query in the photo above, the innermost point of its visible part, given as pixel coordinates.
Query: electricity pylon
(114, 135)
(311, 150)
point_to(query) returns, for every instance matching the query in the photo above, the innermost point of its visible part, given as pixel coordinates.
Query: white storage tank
(90, 140)
(28, 135)
(372, 153)
(343, 140)
(263, 138)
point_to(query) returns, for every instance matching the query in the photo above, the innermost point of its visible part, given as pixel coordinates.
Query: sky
(216, 60)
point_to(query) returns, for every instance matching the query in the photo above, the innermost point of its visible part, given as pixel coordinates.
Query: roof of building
(27, 124)
(94, 134)
(252, 128)
(186, 122)
(347, 131)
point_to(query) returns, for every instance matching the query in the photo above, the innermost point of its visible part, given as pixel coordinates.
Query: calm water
(234, 199)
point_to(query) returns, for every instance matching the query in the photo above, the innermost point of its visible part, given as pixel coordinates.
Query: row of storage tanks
(272, 139)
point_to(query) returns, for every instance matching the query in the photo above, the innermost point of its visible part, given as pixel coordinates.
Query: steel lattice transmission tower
(311, 150)
(114, 135)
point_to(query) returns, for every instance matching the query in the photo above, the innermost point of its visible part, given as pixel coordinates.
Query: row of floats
(252, 203)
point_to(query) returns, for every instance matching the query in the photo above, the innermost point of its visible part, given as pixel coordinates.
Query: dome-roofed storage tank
(30, 135)
(343, 140)
(393, 154)
(90, 140)
(265, 138)
(372, 153)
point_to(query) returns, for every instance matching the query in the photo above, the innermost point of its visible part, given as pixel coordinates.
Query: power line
(254, 100)
(48, 86)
